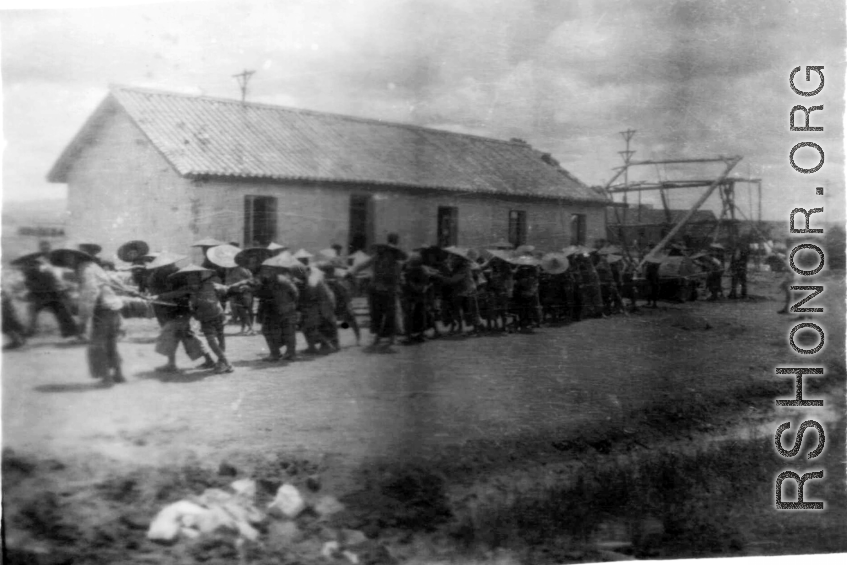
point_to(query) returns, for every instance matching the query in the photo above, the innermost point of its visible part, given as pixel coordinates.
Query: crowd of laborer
(410, 295)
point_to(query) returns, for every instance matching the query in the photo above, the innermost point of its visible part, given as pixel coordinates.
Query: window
(361, 225)
(517, 227)
(448, 226)
(577, 229)
(259, 220)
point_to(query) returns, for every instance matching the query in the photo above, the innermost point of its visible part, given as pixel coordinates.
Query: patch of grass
(712, 501)
(408, 497)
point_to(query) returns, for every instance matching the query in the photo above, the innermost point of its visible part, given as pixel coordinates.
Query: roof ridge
(236, 102)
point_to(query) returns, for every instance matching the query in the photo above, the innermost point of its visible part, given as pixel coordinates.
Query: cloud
(693, 78)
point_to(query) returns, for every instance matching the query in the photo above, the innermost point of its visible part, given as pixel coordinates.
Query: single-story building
(171, 168)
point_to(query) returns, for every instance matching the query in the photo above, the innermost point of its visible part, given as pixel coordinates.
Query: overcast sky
(694, 78)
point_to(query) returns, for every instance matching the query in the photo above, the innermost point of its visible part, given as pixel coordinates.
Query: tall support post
(733, 222)
(731, 162)
(627, 157)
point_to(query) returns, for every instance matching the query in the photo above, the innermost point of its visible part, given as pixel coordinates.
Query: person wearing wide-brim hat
(46, 292)
(252, 257)
(175, 319)
(236, 279)
(303, 256)
(92, 249)
(384, 288)
(328, 254)
(461, 289)
(498, 255)
(317, 308)
(289, 264)
(576, 250)
(525, 295)
(610, 283)
(590, 292)
(207, 242)
(551, 285)
(501, 244)
(157, 270)
(340, 285)
(30, 259)
(500, 284)
(134, 252)
(714, 273)
(461, 252)
(99, 303)
(197, 283)
(276, 248)
(554, 263)
(223, 256)
(220, 259)
(609, 249)
(524, 250)
(278, 296)
(205, 245)
(417, 297)
(331, 256)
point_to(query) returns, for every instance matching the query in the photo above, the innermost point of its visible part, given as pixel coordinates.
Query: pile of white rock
(234, 511)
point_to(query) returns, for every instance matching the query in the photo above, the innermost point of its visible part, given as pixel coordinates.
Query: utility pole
(243, 78)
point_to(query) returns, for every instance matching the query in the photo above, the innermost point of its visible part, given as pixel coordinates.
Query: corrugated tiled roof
(202, 136)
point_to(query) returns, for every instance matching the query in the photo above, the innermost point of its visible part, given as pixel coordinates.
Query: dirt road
(356, 404)
(89, 467)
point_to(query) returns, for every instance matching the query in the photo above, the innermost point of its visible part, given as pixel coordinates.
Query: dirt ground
(474, 404)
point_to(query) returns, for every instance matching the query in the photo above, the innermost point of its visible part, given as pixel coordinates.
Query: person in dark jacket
(463, 289)
(384, 287)
(501, 284)
(279, 296)
(174, 316)
(47, 292)
(241, 297)
(343, 298)
(738, 271)
(317, 308)
(204, 295)
(416, 288)
(651, 273)
(525, 297)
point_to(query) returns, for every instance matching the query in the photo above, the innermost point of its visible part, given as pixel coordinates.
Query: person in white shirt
(100, 304)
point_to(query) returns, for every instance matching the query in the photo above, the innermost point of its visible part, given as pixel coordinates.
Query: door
(448, 226)
(578, 231)
(360, 235)
(517, 227)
